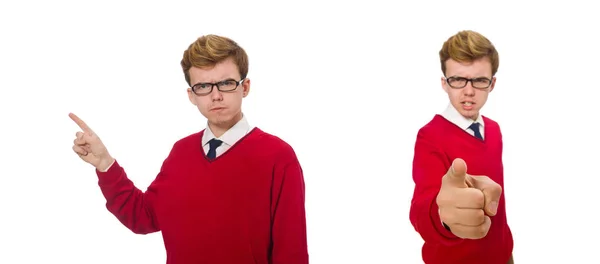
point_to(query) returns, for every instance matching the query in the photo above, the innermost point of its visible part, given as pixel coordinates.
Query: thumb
(457, 174)
(491, 193)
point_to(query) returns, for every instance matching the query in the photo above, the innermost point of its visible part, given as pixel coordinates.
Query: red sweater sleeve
(288, 211)
(132, 207)
(429, 166)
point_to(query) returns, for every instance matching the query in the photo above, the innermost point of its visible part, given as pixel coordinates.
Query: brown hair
(468, 46)
(209, 50)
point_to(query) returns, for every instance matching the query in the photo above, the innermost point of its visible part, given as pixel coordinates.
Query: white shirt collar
(452, 115)
(231, 136)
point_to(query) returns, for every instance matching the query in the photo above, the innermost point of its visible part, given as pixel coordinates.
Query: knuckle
(446, 215)
(442, 199)
(475, 233)
(480, 217)
(481, 231)
(478, 197)
(489, 180)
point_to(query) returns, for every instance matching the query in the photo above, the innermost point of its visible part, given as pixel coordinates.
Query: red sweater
(438, 144)
(244, 207)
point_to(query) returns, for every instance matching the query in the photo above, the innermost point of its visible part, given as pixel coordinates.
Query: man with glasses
(230, 193)
(461, 215)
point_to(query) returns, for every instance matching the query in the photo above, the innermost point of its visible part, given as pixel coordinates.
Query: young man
(461, 217)
(229, 194)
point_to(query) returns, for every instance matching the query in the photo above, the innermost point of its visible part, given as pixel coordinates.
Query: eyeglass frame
(467, 80)
(212, 86)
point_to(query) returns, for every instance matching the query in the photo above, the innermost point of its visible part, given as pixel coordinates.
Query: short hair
(468, 46)
(209, 50)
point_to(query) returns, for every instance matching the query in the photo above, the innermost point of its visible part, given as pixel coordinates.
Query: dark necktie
(213, 145)
(475, 128)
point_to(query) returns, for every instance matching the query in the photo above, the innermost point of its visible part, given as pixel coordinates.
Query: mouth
(467, 105)
(217, 108)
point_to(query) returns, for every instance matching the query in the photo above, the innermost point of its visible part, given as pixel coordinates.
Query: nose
(468, 90)
(216, 95)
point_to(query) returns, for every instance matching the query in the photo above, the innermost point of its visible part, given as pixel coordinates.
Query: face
(471, 98)
(221, 109)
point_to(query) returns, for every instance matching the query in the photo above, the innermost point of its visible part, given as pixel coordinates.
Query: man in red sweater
(462, 216)
(229, 194)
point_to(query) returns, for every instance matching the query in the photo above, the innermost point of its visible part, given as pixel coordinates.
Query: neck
(218, 129)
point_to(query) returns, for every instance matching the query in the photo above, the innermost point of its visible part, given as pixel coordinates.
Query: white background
(347, 85)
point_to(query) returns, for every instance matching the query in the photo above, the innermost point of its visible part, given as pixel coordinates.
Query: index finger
(80, 123)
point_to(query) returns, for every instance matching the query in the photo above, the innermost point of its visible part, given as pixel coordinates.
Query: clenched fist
(89, 147)
(466, 202)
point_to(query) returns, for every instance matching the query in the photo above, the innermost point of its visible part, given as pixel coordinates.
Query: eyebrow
(478, 77)
(222, 80)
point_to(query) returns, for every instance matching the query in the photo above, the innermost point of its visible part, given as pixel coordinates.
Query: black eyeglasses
(228, 85)
(461, 82)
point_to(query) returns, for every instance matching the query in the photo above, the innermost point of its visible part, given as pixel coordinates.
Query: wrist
(105, 164)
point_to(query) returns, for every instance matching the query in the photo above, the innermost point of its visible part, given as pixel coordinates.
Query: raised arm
(133, 208)
(429, 166)
(449, 204)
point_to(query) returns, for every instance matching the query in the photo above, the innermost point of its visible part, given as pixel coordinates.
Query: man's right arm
(429, 166)
(132, 207)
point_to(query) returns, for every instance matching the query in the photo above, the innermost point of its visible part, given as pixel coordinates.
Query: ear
(444, 84)
(493, 84)
(245, 87)
(191, 96)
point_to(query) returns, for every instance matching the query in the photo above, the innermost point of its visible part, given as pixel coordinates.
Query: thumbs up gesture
(89, 147)
(466, 202)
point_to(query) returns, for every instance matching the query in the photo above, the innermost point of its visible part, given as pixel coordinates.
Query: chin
(470, 114)
(221, 119)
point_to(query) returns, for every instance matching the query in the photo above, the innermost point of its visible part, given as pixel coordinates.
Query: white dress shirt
(452, 115)
(230, 137)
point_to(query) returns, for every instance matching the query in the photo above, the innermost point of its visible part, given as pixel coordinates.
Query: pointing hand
(89, 147)
(466, 202)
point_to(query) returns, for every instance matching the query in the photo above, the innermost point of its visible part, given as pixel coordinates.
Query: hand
(466, 202)
(89, 147)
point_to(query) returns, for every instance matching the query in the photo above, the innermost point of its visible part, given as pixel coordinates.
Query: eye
(227, 83)
(202, 86)
(456, 79)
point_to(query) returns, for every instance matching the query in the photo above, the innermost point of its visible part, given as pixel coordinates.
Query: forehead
(477, 68)
(226, 69)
